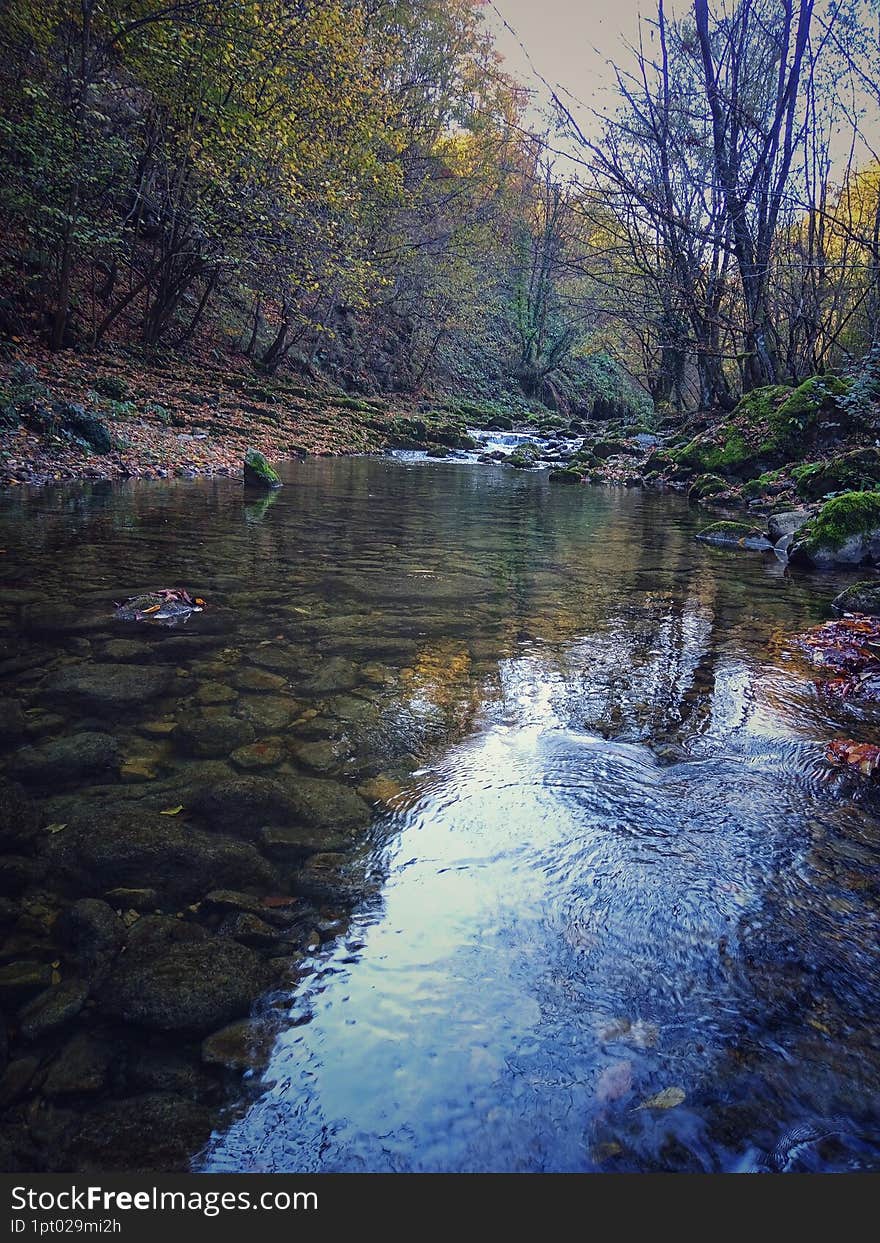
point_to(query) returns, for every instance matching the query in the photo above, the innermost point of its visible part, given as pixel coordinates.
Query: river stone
(154, 934)
(156, 1132)
(244, 803)
(292, 842)
(861, 597)
(269, 713)
(248, 678)
(17, 1079)
(210, 693)
(126, 650)
(123, 899)
(20, 980)
(209, 737)
(80, 1067)
(320, 756)
(245, 1045)
(330, 675)
(258, 473)
(249, 929)
(13, 722)
(92, 933)
(321, 803)
(52, 1009)
(129, 847)
(786, 523)
(19, 818)
(189, 987)
(19, 871)
(108, 688)
(266, 753)
(70, 758)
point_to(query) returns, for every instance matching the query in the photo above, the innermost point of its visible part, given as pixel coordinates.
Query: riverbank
(70, 416)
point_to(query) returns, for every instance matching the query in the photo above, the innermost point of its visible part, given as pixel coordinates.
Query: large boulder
(128, 847)
(152, 1132)
(258, 473)
(846, 531)
(195, 986)
(769, 427)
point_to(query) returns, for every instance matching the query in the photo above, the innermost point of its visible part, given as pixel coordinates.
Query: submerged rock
(258, 473)
(69, 758)
(128, 847)
(52, 1009)
(107, 689)
(209, 737)
(189, 987)
(245, 1045)
(734, 535)
(156, 1131)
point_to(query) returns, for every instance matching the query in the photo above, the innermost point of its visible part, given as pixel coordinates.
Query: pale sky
(570, 43)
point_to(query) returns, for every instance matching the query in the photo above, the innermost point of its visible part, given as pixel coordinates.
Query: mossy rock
(856, 471)
(112, 386)
(258, 473)
(734, 535)
(705, 486)
(613, 448)
(84, 427)
(764, 484)
(846, 531)
(769, 427)
(565, 476)
(863, 597)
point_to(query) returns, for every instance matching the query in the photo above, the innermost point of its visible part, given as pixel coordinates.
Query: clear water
(611, 866)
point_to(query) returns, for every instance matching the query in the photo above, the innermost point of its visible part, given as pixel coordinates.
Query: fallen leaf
(172, 811)
(273, 901)
(667, 1099)
(864, 756)
(55, 828)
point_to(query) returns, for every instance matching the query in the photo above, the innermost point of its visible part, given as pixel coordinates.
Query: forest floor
(183, 418)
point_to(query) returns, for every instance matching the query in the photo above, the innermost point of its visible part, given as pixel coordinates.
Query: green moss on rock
(857, 471)
(705, 486)
(258, 473)
(770, 426)
(729, 534)
(852, 514)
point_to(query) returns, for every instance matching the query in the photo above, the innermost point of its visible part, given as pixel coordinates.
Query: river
(616, 913)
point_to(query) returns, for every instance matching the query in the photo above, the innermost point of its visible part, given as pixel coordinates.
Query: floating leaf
(172, 811)
(667, 1099)
(56, 828)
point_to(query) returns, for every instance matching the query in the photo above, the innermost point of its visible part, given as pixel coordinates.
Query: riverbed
(606, 909)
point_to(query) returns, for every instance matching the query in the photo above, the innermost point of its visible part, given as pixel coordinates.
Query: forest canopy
(357, 190)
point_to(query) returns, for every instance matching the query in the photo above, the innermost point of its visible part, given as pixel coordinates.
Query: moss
(257, 471)
(112, 386)
(565, 476)
(853, 513)
(734, 534)
(770, 426)
(727, 528)
(705, 486)
(856, 471)
(757, 487)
